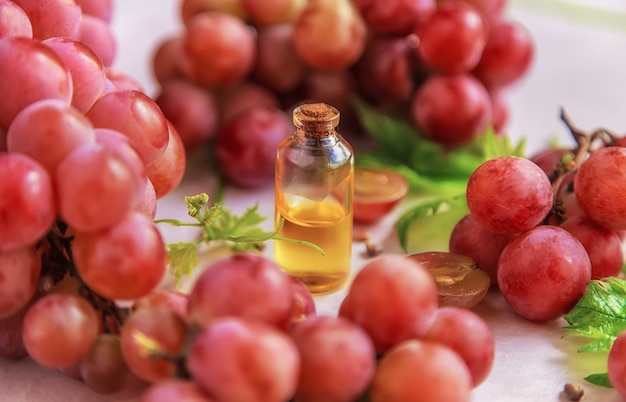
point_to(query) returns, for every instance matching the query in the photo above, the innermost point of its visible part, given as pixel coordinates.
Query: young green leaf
(601, 380)
(243, 233)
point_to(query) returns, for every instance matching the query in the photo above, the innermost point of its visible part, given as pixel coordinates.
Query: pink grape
(125, 261)
(385, 71)
(121, 146)
(277, 65)
(59, 329)
(600, 187)
(117, 80)
(472, 239)
(393, 298)
(30, 71)
(453, 38)
(97, 35)
(192, 110)
(167, 172)
(396, 17)
(170, 299)
(160, 327)
(604, 246)
(616, 364)
(137, 116)
(509, 194)
(303, 302)
(175, 390)
(491, 9)
(95, 187)
(421, 371)
(20, 270)
(337, 359)
(467, 334)
(500, 110)
(48, 130)
(507, 56)
(329, 34)
(543, 272)
(11, 344)
(103, 368)
(220, 47)
(273, 12)
(237, 360)
(51, 18)
(14, 21)
(85, 67)
(27, 204)
(451, 109)
(245, 148)
(102, 9)
(147, 204)
(169, 60)
(244, 285)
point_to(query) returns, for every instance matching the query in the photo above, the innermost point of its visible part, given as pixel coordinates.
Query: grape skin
(64, 320)
(616, 364)
(20, 270)
(509, 194)
(98, 36)
(103, 368)
(402, 376)
(14, 21)
(167, 172)
(393, 299)
(175, 390)
(236, 360)
(337, 359)
(600, 187)
(51, 18)
(543, 272)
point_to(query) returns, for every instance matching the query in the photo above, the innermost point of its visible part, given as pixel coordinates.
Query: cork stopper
(317, 120)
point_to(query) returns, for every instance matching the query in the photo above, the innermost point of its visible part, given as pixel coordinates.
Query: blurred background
(579, 64)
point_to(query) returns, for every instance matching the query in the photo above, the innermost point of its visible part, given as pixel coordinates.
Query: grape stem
(586, 143)
(60, 263)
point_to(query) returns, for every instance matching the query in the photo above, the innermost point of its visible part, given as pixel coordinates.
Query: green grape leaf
(182, 258)
(599, 379)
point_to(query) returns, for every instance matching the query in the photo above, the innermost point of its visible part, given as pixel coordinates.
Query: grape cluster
(84, 155)
(543, 227)
(249, 332)
(444, 65)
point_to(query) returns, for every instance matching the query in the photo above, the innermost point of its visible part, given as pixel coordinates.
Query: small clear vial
(314, 193)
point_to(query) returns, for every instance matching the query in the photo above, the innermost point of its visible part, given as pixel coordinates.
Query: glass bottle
(314, 192)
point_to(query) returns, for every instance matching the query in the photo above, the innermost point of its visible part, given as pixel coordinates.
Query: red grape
(543, 272)
(137, 116)
(11, 343)
(103, 368)
(169, 60)
(393, 299)
(175, 390)
(102, 9)
(507, 55)
(329, 34)
(14, 21)
(192, 110)
(303, 302)
(245, 96)
(220, 47)
(98, 35)
(148, 337)
(190, 8)
(170, 299)
(509, 194)
(124, 261)
(30, 71)
(603, 246)
(237, 360)
(451, 109)
(51, 18)
(616, 364)
(20, 270)
(168, 170)
(600, 187)
(245, 285)
(421, 371)
(47, 131)
(85, 67)
(272, 12)
(27, 204)
(467, 334)
(59, 329)
(246, 146)
(472, 239)
(453, 38)
(337, 359)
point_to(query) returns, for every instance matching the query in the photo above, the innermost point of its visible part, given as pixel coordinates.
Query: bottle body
(314, 190)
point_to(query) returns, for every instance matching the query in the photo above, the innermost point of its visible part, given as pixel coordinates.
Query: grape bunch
(543, 227)
(84, 155)
(249, 332)
(443, 65)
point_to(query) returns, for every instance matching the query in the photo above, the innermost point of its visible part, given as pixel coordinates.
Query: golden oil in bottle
(314, 191)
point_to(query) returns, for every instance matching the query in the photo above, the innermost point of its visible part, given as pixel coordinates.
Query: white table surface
(579, 66)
